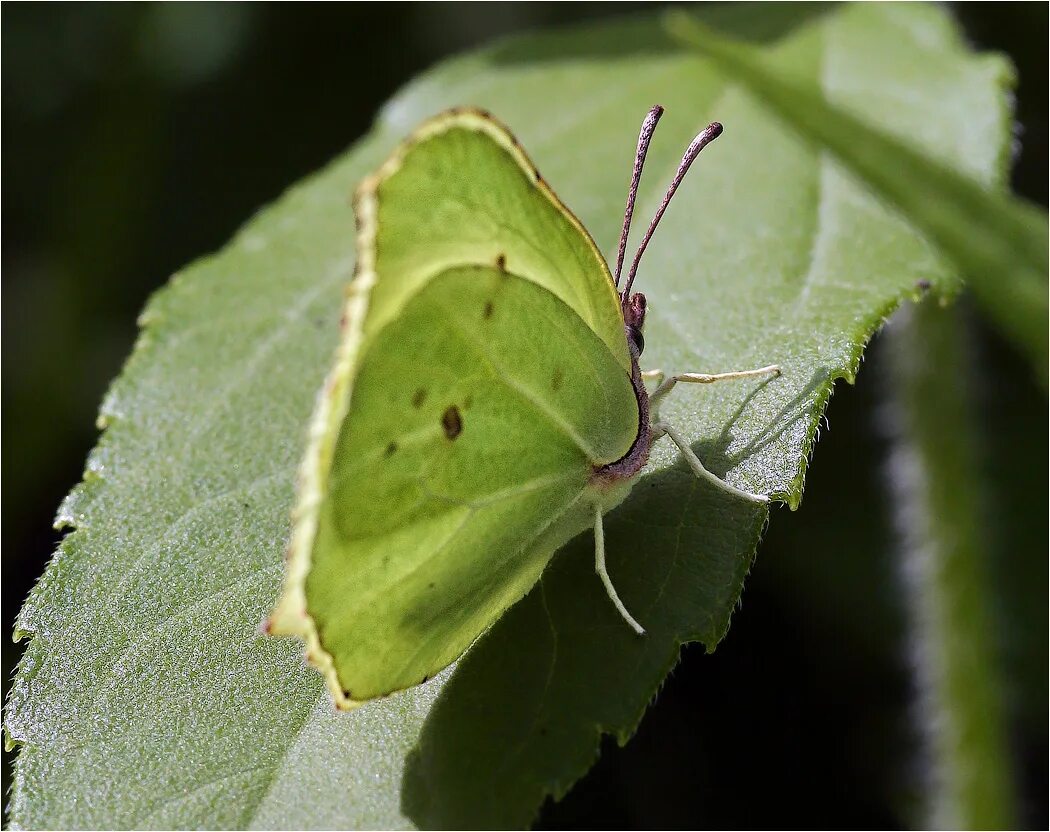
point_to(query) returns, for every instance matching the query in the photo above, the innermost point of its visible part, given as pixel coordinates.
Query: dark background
(138, 137)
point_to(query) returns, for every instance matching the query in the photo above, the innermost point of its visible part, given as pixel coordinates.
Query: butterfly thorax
(637, 455)
(633, 308)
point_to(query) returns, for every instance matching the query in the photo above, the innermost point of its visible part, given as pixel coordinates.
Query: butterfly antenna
(644, 137)
(702, 140)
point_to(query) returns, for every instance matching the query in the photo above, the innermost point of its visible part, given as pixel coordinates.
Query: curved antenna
(702, 140)
(644, 137)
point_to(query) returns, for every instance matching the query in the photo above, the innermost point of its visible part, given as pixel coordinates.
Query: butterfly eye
(635, 334)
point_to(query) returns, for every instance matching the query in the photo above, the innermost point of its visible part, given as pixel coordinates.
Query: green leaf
(996, 241)
(147, 696)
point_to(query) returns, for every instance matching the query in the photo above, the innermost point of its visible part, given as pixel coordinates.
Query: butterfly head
(633, 303)
(634, 319)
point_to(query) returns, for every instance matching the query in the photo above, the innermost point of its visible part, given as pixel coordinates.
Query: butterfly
(485, 406)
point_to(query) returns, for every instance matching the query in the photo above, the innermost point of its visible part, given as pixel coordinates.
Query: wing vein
(524, 393)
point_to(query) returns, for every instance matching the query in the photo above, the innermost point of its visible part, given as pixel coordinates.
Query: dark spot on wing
(431, 585)
(452, 422)
(488, 310)
(391, 449)
(424, 679)
(501, 262)
(536, 175)
(557, 378)
(419, 397)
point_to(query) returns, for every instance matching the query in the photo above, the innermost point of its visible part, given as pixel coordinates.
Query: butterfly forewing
(462, 191)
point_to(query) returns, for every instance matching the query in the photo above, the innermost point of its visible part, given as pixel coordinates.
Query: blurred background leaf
(134, 144)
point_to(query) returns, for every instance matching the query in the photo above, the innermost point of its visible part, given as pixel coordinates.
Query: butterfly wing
(471, 399)
(461, 190)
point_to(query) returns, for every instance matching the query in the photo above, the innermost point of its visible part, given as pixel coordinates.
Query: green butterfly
(485, 406)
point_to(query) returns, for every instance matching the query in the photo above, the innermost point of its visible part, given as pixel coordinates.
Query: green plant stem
(937, 491)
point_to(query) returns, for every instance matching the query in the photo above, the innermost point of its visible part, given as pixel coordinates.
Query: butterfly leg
(665, 387)
(661, 428)
(599, 567)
